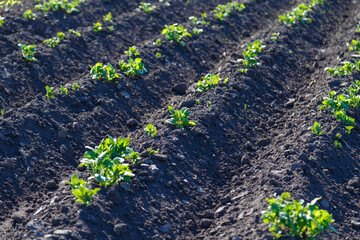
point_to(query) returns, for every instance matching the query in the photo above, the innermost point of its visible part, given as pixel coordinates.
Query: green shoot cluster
(251, 55)
(151, 130)
(208, 82)
(339, 103)
(134, 67)
(1, 21)
(100, 71)
(72, 31)
(202, 22)
(223, 11)
(146, 7)
(52, 42)
(316, 129)
(291, 218)
(10, 3)
(180, 118)
(68, 6)
(28, 51)
(299, 14)
(354, 46)
(346, 69)
(82, 193)
(175, 33)
(29, 15)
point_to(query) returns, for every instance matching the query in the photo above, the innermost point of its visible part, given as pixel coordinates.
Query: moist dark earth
(208, 181)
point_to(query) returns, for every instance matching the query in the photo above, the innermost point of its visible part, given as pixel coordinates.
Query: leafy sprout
(98, 27)
(316, 129)
(82, 193)
(64, 90)
(288, 217)
(208, 82)
(52, 42)
(75, 86)
(176, 33)
(72, 31)
(100, 71)
(1, 21)
(223, 11)
(151, 130)
(346, 69)
(180, 118)
(146, 7)
(49, 92)
(134, 67)
(68, 6)
(29, 15)
(28, 51)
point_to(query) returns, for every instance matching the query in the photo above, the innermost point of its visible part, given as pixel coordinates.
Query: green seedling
(197, 21)
(208, 82)
(64, 90)
(316, 129)
(49, 92)
(175, 33)
(72, 31)
(29, 15)
(197, 31)
(180, 118)
(108, 19)
(337, 144)
(223, 11)
(158, 55)
(166, 3)
(68, 6)
(275, 36)
(158, 42)
(108, 163)
(152, 152)
(52, 42)
(2, 112)
(338, 136)
(100, 71)
(291, 218)
(75, 86)
(146, 7)
(134, 67)
(98, 27)
(251, 55)
(83, 194)
(10, 3)
(151, 130)
(28, 51)
(358, 28)
(346, 69)
(197, 102)
(299, 14)
(1, 21)
(354, 46)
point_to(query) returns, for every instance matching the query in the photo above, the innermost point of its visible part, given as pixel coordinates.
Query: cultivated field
(199, 110)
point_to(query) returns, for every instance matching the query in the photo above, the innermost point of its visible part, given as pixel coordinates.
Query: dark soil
(207, 182)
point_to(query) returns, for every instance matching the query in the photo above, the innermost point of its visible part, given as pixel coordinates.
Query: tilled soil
(207, 182)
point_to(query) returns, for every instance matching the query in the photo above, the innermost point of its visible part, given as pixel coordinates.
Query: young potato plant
(146, 7)
(358, 28)
(166, 3)
(337, 144)
(134, 67)
(223, 11)
(175, 33)
(72, 31)
(316, 129)
(208, 82)
(98, 27)
(75, 87)
(300, 13)
(1, 21)
(354, 46)
(108, 19)
(275, 36)
(64, 90)
(151, 130)
(180, 118)
(100, 71)
(29, 15)
(10, 3)
(49, 92)
(28, 51)
(52, 42)
(202, 22)
(339, 103)
(346, 69)
(109, 162)
(291, 218)
(197, 31)
(251, 55)
(82, 193)
(68, 6)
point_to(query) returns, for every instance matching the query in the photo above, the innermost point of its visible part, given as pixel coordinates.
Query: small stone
(63, 232)
(180, 88)
(325, 203)
(62, 132)
(51, 184)
(10, 162)
(245, 160)
(154, 169)
(295, 166)
(278, 173)
(290, 103)
(250, 145)
(125, 186)
(180, 156)
(220, 211)
(274, 105)
(355, 182)
(263, 142)
(165, 228)
(208, 214)
(120, 228)
(205, 223)
(188, 103)
(18, 218)
(355, 223)
(161, 157)
(225, 200)
(334, 83)
(132, 123)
